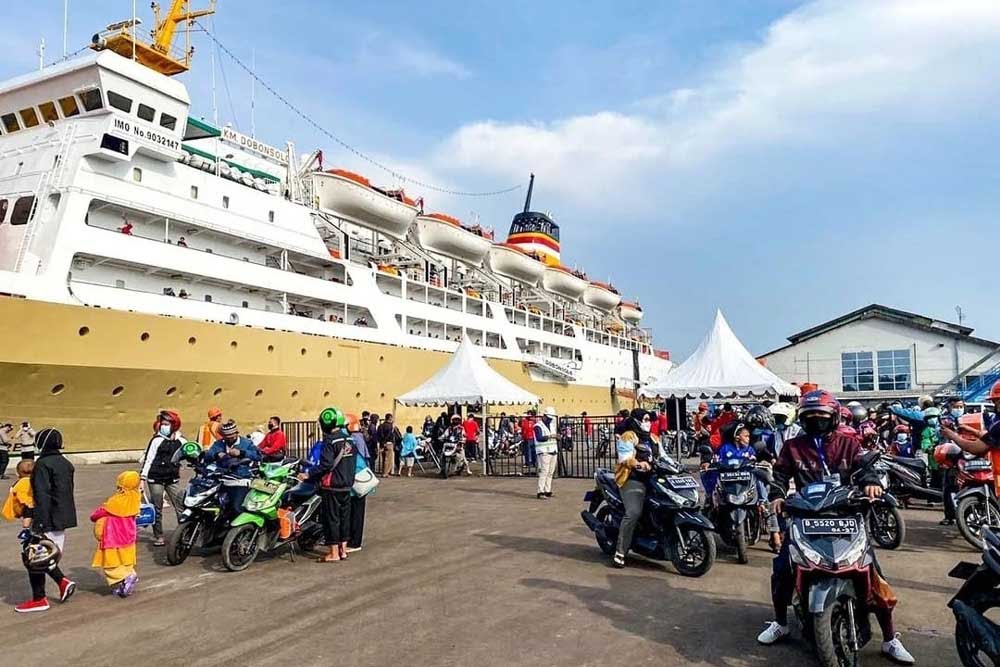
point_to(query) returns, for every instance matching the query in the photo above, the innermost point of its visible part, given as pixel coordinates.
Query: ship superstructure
(120, 212)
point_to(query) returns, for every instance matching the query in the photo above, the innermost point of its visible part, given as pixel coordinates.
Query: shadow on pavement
(587, 553)
(500, 492)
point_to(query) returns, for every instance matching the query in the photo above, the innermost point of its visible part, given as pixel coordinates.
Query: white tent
(467, 379)
(721, 367)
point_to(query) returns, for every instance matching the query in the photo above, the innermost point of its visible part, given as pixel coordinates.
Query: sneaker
(946, 522)
(66, 589)
(159, 542)
(548, 494)
(351, 550)
(773, 632)
(541, 496)
(895, 651)
(618, 560)
(128, 586)
(32, 605)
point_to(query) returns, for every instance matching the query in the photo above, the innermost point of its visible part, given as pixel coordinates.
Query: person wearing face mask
(902, 443)
(785, 426)
(272, 447)
(985, 444)
(160, 471)
(820, 453)
(236, 454)
(635, 461)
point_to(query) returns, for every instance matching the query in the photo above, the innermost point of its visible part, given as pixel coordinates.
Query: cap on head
(214, 413)
(550, 411)
(230, 429)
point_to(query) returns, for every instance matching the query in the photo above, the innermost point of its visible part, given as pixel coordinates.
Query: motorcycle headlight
(801, 552)
(856, 550)
(682, 501)
(197, 498)
(256, 505)
(738, 498)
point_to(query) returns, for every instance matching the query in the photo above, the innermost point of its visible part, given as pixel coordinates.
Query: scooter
(672, 526)
(736, 506)
(976, 505)
(274, 515)
(909, 479)
(977, 637)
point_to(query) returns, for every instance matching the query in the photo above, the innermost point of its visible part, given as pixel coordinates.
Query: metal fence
(584, 445)
(300, 437)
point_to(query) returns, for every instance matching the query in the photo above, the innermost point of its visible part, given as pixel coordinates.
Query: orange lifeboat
(446, 236)
(352, 197)
(507, 260)
(601, 296)
(631, 312)
(560, 280)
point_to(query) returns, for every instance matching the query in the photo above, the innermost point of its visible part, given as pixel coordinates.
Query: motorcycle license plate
(683, 482)
(829, 526)
(738, 476)
(977, 465)
(263, 486)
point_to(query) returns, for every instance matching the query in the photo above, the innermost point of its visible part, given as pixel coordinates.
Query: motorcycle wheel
(831, 633)
(971, 515)
(699, 555)
(886, 526)
(179, 545)
(753, 527)
(309, 538)
(240, 547)
(740, 535)
(604, 515)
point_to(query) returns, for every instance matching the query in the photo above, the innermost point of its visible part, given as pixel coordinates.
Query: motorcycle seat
(913, 464)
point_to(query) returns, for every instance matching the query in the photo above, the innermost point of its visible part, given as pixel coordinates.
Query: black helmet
(759, 417)
(40, 554)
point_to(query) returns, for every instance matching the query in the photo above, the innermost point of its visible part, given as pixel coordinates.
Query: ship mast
(527, 200)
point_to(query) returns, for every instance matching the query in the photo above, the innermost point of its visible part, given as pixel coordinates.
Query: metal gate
(584, 444)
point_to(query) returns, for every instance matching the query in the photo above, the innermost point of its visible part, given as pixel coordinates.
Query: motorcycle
(276, 513)
(909, 479)
(736, 506)
(976, 504)
(977, 637)
(672, 526)
(603, 440)
(504, 444)
(832, 561)
(448, 450)
(204, 521)
(885, 524)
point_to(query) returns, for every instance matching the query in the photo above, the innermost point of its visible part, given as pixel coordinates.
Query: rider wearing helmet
(334, 477)
(785, 426)
(986, 444)
(161, 470)
(235, 453)
(901, 441)
(821, 452)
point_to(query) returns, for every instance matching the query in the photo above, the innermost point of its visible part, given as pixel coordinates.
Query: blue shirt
(731, 450)
(409, 444)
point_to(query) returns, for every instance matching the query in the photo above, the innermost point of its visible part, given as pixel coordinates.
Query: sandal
(327, 559)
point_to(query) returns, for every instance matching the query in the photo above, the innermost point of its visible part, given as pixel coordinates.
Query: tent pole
(677, 427)
(483, 439)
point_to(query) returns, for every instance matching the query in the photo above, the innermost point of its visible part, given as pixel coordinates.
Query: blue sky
(785, 161)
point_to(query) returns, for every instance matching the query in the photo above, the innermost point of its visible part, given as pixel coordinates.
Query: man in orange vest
(210, 430)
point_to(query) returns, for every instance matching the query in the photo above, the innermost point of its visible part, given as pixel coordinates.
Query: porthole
(233, 344)
(357, 395)
(58, 389)
(326, 394)
(171, 391)
(117, 391)
(329, 353)
(382, 395)
(218, 390)
(302, 352)
(84, 331)
(144, 337)
(295, 392)
(258, 393)
(381, 358)
(192, 340)
(270, 348)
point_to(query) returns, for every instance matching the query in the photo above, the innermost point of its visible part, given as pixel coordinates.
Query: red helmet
(820, 401)
(170, 417)
(947, 454)
(903, 428)
(845, 414)
(994, 392)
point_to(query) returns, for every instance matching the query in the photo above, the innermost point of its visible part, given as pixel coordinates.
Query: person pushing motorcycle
(820, 453)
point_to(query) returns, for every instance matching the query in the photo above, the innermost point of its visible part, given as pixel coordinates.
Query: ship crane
(158, 55)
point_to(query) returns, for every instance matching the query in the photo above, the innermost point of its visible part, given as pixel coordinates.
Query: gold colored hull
(100, 376)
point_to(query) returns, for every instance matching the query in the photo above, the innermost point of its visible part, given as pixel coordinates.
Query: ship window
(29, 117)
(22, 210)
(137, 175)
(10, 122)
(116, 144)
(3, 210)
(68, 106)
(194, 192)
(270, 216)
(167, 121)
(146, 113)
(246, 304)
(225, 201)
(49, 113)
(120, 284)
(91, 99)
(119, 101)
(208, 298)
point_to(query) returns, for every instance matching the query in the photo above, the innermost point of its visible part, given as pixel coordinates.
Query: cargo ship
(150, 259)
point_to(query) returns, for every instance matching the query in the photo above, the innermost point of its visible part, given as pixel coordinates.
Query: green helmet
(331, 418)
(190, 450)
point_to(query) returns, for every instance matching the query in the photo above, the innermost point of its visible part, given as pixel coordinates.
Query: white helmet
(786, 410)
(550, 411)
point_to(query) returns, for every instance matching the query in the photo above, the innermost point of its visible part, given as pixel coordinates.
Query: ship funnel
(527, 200)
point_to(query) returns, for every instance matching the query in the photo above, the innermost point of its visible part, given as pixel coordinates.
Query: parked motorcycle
(504, 444)
(736, 505)
(909, 480)
(832, 560)
(976, 502)
(977, 637)
(672, 526)
(277, 512)
(603, 440)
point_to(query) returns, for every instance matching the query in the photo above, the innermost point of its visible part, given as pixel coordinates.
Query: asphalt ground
(465, 571)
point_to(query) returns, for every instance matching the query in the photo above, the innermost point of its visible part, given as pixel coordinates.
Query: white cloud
(383, 52)
(425, 62)
(829, 73)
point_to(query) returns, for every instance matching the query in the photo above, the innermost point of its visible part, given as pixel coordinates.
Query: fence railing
(584, 444)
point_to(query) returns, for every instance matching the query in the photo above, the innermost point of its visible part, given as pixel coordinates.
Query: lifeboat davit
(350, 196)
(560, 280)
(631, 312)
(445, 235)
(510, 261)
(601, 296)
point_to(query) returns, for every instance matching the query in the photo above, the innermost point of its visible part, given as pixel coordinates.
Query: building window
(49, 114)
(971, 381)
(137, 175)
(146, 113)
(9, 121)
(29, 117)
(857, 372)
(194, 192)
(225, 201)
(91, 99)
(3, 210)
(893, 370)
(119, 101)
(68, 106)
(168, 121)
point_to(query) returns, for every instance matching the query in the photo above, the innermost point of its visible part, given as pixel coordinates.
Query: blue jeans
(528, 447)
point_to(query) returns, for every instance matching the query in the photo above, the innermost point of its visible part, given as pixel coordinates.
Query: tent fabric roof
(720, 367)
(467, 379)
